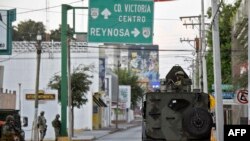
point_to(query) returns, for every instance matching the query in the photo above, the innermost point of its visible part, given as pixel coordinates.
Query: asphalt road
(132, 134)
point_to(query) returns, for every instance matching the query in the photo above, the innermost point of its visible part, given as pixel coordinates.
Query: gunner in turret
(178, 84)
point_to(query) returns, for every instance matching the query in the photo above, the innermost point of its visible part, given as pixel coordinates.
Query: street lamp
(39, 50)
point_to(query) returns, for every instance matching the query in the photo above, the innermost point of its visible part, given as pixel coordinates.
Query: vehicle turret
(176, 81)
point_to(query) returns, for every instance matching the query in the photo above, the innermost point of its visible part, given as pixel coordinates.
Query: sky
(168, 28)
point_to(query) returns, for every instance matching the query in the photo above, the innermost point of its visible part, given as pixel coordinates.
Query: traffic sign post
(121, 21)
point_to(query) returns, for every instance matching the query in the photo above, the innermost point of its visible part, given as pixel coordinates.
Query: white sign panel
(125, 95)
(3, 29)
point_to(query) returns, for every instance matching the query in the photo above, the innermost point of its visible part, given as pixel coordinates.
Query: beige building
(7, 100)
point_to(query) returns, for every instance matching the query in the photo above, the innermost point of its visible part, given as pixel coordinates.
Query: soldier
(42, 125)
(178, 84)
(18, 129)
(56, 123)
(8, 129)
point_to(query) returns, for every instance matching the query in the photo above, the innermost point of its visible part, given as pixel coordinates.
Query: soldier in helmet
(8, 129)
(56, 123)
(42, 125)
(178, 84)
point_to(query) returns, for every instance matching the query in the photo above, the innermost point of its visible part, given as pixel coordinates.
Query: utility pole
(198, 84)
(203, 49)
(217, 72)
(39, 51)
(196, 68)
(187, 40)
(118, 92)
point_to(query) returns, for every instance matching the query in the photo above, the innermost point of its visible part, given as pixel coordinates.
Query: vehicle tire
(198, 122)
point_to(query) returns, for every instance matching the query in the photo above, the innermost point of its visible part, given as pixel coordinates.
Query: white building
(20, 68)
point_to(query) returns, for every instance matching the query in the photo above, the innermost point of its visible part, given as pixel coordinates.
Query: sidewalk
(95, 134)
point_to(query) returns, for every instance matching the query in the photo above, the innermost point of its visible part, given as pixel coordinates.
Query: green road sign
(121, 21)
(6, 19)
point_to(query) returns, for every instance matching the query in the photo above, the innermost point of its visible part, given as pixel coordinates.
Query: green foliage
(129, 78)
(56, 34)
(27, 31)
(80, 81)
(55, 83)
(242, 81)
(227, 11)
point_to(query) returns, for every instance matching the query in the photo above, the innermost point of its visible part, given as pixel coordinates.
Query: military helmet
(179, 73)
(9, 118)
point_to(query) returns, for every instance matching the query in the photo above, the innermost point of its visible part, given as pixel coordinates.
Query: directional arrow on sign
(106, 13)
(136, 32)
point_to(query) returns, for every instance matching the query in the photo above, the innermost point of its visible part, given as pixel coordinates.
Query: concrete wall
(7, 101)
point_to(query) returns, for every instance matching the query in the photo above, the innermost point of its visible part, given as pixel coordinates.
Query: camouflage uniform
(178, 83)
(42, 125)
(56, 123)
(8, 129)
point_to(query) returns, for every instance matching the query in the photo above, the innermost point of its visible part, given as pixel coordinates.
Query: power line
(42, 9)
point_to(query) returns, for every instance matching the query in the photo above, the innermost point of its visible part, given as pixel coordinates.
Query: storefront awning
(99, 102)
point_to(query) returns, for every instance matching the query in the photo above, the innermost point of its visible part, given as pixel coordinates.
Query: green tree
(80, 82)
(129, 78)
(226, 11)
(27, 31)
(56, 34)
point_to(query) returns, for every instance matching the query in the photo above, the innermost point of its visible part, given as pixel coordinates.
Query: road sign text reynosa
(121, 21)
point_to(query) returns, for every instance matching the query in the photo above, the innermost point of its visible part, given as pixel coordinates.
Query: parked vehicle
(20, 135)
(176, 113)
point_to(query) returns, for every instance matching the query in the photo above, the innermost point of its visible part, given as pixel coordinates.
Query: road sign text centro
(121, 21)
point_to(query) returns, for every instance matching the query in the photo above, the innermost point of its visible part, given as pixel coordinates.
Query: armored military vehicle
(175, 113)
